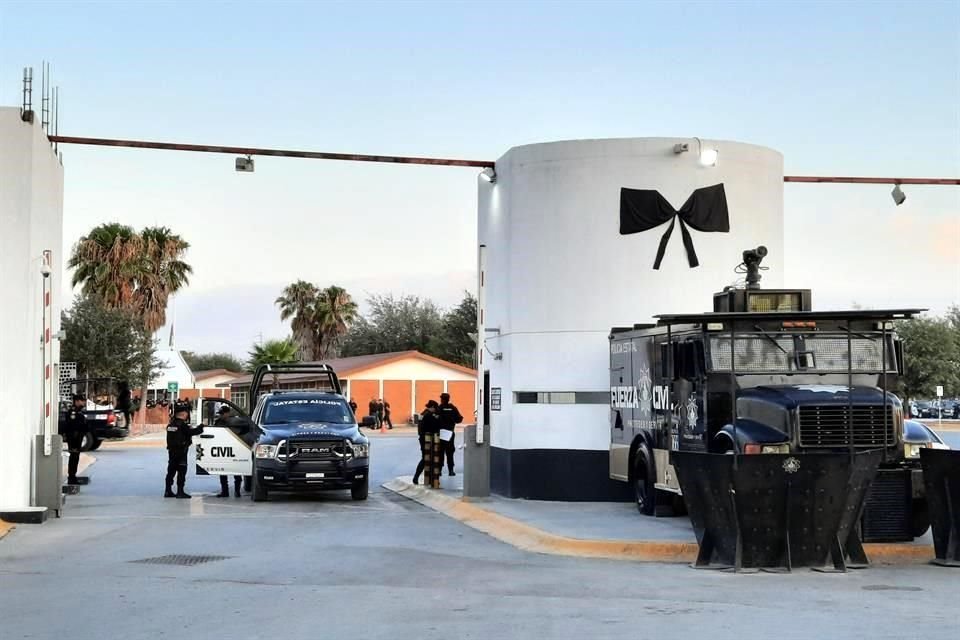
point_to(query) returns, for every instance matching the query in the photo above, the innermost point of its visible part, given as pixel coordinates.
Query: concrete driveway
(389, 568)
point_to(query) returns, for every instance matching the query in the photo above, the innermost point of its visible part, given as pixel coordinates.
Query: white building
(31, 227)
(174, 369)
(559, 275)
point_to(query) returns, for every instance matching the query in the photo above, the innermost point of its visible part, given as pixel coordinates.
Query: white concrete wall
(31, 221)
(560, 275)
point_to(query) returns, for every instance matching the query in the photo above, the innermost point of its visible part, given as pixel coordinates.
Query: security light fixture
(245, 164)
(708, 157)
(898, 195)
(489, 174)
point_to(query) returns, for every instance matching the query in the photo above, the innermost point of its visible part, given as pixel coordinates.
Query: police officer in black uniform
(223, 420)
(179, 438)
(449, 418)
(74, 428)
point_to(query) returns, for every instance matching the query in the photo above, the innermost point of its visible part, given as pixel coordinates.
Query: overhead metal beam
(449, 162)
(283, 153)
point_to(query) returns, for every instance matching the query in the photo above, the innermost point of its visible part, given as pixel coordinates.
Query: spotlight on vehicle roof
(898, 195)
(245, 164)
(489, 174)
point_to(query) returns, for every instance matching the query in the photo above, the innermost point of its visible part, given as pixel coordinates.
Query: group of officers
(434, 418)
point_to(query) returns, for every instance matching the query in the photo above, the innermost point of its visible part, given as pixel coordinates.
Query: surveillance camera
(898, 195)
(754, 255)
(45, 270)
(245, 164)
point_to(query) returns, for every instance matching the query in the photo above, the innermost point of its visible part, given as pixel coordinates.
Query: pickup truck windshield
(288, 411)
(812, 352)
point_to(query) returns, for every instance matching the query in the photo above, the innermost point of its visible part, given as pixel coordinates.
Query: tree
(107, 343)
(208, 361)
(334, 313)
(455, 343)
(132, 271)
(395, 324)
(162, 273)
(932, 355)
(272, 352)
(298, 303)
(319, 318)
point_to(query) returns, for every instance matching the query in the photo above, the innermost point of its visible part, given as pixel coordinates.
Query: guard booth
(772, 421)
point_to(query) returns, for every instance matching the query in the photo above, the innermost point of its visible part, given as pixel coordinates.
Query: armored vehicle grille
(828, 426)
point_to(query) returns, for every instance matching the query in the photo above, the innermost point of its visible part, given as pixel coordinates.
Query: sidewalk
(611, 530)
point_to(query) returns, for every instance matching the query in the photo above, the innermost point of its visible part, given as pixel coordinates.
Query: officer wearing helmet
(179, 438)
(75, 428)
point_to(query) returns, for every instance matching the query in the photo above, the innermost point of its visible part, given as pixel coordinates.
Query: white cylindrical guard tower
(562, 268)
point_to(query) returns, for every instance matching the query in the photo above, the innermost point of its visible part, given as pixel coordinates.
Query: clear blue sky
(847, 88)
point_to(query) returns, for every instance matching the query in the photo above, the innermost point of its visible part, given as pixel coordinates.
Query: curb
(530, 538)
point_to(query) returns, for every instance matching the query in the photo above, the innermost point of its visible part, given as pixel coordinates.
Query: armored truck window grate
(182, 560)
(759, 353)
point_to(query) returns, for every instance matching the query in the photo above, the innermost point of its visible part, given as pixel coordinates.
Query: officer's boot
(168, 493)
(236, 487)
(224, 489)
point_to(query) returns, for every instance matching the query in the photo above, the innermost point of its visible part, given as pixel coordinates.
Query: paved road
(389, 568)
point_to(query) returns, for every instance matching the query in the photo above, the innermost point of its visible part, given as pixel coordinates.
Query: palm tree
(107, 264)
(162, 273)
(297, 301)
(272, 352)
(334, 312)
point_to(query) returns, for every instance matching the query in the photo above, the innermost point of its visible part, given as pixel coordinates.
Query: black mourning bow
(704, 210)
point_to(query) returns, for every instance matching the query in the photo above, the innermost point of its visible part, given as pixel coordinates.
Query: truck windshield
(812, 352)
(289, 411)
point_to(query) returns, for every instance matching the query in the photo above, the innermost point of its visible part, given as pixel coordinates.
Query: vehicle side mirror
(898, 354)
(368, 421)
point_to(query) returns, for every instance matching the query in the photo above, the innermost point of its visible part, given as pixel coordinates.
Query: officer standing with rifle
(179, 438)
(74, 428)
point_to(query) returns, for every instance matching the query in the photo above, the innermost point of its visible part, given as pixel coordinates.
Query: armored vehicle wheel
(360, 489)
(90, 442)
(643, 481)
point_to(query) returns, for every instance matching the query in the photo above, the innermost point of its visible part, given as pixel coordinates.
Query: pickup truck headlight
(266, 451)
(752, 448)
(360, 450)
(912, 451)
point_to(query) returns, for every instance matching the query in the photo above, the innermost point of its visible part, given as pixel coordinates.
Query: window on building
(239, 398)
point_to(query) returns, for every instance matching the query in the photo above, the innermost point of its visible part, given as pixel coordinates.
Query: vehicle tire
(258, 492)
(643, 481)
(90, 442)
(360, 489)
(920, 518)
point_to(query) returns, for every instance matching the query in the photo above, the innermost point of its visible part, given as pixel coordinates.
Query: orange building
(405, 379)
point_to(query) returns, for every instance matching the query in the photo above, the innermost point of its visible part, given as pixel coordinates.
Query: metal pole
(481, 337)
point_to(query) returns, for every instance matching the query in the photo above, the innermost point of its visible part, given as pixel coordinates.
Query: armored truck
(762, 374)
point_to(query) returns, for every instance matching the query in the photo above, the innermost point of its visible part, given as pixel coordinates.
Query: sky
(840, 88)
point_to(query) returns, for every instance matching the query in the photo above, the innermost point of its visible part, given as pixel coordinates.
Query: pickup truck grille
(828, 426)
(317, 449)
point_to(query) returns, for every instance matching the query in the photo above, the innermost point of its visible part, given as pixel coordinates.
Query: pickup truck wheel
(96, 444)
(258, 492)
(920, 518)
(643, 481)
(90, 442)
(360, 489)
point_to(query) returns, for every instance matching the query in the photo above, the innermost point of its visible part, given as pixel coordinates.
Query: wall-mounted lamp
(899, 197)
(489, 174)
(708, 157)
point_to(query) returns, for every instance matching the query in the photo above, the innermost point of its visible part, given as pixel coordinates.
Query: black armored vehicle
(763, 374)
(301, 440)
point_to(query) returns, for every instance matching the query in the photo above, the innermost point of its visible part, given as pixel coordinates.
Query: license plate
(315, 475)
(101, 417)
